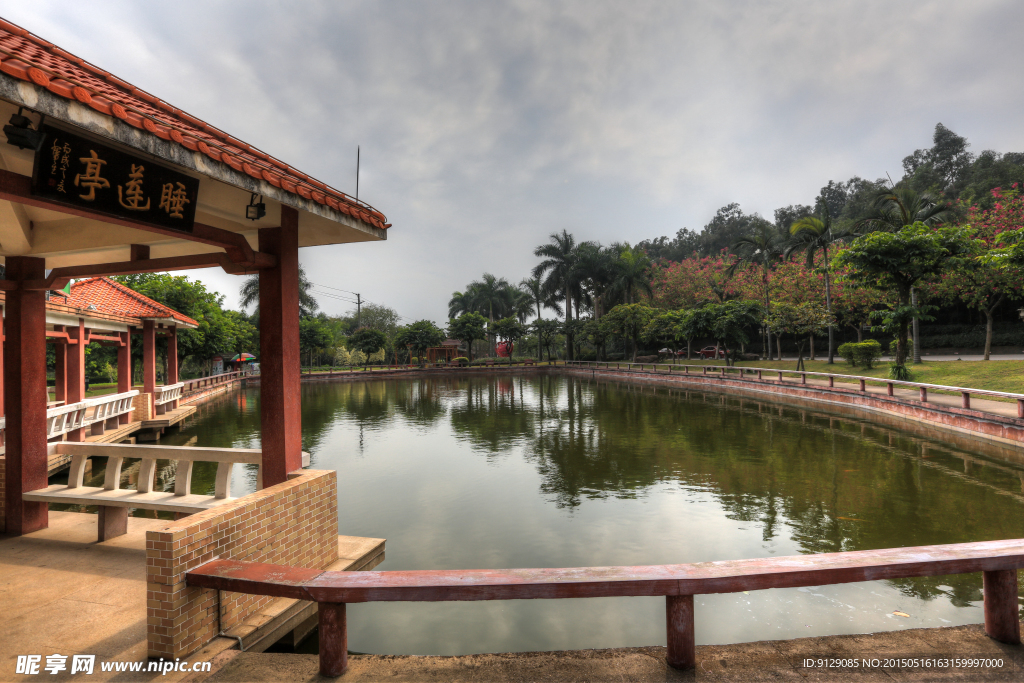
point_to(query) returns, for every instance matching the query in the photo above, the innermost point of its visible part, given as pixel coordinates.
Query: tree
(508, 329)
(673, 327)
(728, 227)
(728, 324)
(811, 234)
(220, 330)
(897, 207)
(630, 273)
(533, 287)
(988, 283)
(762, 249)
(561, 273)
(314, 336)
(802, 320)
(250, 293)
(630, 321)
(468, 328)
(897, 261)
(367, 340)
(420, 336)
(546, 331)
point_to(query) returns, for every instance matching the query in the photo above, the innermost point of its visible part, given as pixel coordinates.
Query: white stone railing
(107, 407)
(167, 393)
(64, 419)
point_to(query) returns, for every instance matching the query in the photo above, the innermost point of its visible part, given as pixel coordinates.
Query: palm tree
(895, 208)
(630, 273)
(462, 302)
(492, 296)
(809, 235)
(761, 248)
(250, 294)
(562, 275)
(535, 291)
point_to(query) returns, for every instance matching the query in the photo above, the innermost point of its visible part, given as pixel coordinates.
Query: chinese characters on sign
(78, 172)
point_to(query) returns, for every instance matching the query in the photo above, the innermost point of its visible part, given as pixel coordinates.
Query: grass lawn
(994, 375)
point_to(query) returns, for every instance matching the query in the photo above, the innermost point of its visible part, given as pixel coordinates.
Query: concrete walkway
(63, 593)
(763, 661)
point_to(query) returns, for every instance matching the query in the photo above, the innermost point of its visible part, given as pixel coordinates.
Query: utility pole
(359, 308)
(357, 172)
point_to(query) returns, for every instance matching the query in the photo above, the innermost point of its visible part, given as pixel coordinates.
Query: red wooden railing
(998, 560)
(741, 372)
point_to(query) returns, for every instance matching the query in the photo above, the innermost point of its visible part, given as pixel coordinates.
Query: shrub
(864, 354)
(461, 360)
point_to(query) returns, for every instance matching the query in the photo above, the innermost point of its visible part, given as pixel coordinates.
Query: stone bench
(114, 502)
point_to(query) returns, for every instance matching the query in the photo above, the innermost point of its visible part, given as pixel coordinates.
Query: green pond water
(537, 471)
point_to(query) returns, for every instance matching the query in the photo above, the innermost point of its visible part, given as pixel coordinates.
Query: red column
(124, 370)
(172, 355)
(148, 357)
(2, 338)
(25, 389)
(76, 372)
(172, 360)
(60, 367)
(280, 413)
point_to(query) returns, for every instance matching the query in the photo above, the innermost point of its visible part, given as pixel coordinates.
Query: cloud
(486, 126)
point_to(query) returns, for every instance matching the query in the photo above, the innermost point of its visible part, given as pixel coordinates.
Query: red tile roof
(114, 298)
(30, 58)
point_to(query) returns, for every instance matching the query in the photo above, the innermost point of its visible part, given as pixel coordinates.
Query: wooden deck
(169, 419)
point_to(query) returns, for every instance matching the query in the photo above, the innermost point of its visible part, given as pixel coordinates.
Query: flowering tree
(696, 281)
(990, 280)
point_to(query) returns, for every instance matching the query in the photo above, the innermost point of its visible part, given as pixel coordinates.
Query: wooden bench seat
(997, 560)
(114, 502)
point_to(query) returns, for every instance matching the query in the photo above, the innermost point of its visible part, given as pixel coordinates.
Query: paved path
(778, 660)
(1004, 408)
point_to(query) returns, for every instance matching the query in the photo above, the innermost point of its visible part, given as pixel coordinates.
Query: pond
(543, 471)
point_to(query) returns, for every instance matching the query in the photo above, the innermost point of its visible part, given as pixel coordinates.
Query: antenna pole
(359, 308)
(357, 171)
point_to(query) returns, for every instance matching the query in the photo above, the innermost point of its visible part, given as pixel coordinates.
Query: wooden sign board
(78, 172)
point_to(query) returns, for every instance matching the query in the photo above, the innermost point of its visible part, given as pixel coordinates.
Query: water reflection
(479, 472)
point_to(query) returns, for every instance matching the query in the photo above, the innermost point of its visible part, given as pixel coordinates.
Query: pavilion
(99, 178)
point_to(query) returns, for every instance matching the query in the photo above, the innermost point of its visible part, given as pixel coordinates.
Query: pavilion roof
(111, 297)
(29, 58)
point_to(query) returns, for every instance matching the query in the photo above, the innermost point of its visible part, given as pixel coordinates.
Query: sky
(487, 126)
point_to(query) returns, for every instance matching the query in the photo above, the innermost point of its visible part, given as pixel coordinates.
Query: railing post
(679, 619)
(890, 388)
(1000, 592)
(759, 375)
(862, 386)
(831, 382)
(780, 376)
(966, 402)
(924, 395)
(1020, 407)
(803, 378)
(333, 639)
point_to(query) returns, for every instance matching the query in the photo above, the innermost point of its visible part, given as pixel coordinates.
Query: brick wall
(143, 408)
(293, 523)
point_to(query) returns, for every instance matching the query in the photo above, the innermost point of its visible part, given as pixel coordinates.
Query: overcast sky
(487, 126)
